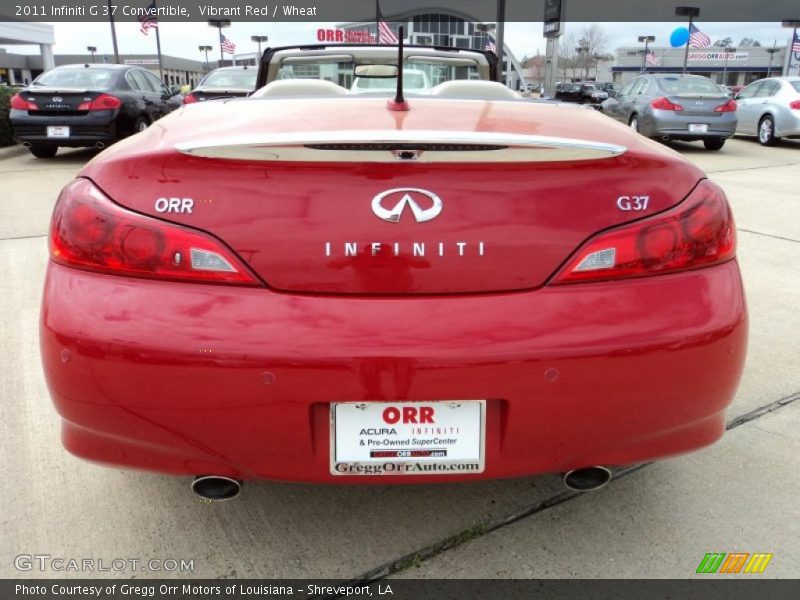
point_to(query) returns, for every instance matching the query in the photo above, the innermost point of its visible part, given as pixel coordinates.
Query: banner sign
(730, 56)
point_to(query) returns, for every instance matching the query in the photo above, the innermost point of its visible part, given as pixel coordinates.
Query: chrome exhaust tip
(587, 479)
(26, 144)
(216, 487)
(99, 145)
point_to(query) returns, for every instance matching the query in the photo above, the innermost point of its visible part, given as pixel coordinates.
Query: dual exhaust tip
(217, 488)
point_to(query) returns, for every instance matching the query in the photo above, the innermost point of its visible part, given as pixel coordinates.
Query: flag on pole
(385, 33)
(652, 59)
(490, 46)
(796, 42)
(698, 39)
(149, 20)
(228, 47)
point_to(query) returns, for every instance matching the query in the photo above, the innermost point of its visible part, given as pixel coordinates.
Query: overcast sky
(182, 39)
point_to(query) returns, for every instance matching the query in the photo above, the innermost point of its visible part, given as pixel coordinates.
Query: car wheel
(43, 151)
(714, 144)
(766, 131)
(634, 123)
(141, 125)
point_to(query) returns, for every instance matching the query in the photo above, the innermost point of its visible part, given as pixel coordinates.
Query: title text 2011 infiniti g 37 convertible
(335, 289)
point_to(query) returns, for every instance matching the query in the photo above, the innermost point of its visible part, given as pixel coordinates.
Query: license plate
(408, 438)
(698, 128)
(58, 131)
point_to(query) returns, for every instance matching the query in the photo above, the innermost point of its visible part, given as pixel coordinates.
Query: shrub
(6, 138)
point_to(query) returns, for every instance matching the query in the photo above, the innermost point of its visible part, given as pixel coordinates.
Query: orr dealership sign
(349, 36)
(712, 56)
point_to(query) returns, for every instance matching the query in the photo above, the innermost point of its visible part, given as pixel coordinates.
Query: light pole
(259, 39)
(646, 39)
(691, 12)
(581, 50)
(220, 24)
(92, 49)
(206, 49)
(728, 52)
(793, 25)
(771, 52)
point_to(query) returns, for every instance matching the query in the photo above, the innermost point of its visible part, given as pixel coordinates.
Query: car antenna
(399, 103)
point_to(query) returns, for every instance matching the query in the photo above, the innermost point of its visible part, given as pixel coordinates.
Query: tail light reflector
(664, 103)
(729, 106)
(189, 99)
(89, 231)
(102, 102)
(20, 103)
(699, 232)
(794, 105)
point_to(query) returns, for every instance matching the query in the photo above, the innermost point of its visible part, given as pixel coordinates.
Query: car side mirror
(737, 96)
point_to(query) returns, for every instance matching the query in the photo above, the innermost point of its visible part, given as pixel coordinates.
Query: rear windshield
(411, 81)
(91, 79)
(688, 85)
(795, 85)
(237, 80)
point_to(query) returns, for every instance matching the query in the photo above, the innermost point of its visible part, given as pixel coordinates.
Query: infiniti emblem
(398, 199)
(57, 99)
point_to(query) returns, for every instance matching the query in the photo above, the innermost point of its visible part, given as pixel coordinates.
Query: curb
(10, 151)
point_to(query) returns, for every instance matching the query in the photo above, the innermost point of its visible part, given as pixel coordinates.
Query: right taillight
(189, 99)
(102, 102)
(794, 105)
(664, 103)
(729, 106)
(699, 232)
(20, 103)
(89, 231)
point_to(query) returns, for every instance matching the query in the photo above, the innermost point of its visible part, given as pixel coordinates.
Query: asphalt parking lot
(658, 520)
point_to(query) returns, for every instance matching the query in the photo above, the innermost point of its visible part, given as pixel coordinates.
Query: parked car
(225, 82)
(314, 285)
(770, 109)
(675, 107)
(86, 105)
(569, 92)
(610, 88)
(592, 94)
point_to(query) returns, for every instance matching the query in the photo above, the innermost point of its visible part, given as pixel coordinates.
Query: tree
(593, 41)
(723, 43)
(749, 43)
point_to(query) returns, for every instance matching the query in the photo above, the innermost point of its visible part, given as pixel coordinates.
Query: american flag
(490, 46)
(698, 39)
(796, 42)
(228, 47)
(385, 33)
(652, 59)
(149, 20)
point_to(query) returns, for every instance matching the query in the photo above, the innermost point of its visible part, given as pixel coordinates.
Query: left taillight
(699, 232)
(794, 105)
(20, 103)
(102, 102)
(729, 106)
(190, 98)
(89, 231)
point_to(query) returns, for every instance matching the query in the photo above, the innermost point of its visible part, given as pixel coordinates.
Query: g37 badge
(633, 202)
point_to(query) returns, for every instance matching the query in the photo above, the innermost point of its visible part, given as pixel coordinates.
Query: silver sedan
(770, 109)
(675, 107)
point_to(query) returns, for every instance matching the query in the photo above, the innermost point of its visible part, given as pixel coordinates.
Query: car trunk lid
(59, 101)
(435, 205)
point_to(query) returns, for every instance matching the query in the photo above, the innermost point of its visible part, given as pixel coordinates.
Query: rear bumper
(187, 379)
(666, 123)
(85, 130)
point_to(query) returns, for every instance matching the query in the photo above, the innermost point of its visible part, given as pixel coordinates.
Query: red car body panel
(192, 378)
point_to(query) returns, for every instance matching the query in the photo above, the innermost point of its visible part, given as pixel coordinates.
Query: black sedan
(225, 82)
(86, 105)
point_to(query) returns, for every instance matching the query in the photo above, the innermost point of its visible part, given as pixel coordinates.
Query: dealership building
(739, 67)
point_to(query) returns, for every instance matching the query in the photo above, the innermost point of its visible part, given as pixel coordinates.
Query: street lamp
(691, 12)
(206, 49)
(793, 25)
(646, 39)
(728, 52)
(259, 39)
(219, 24)
(771, 52)
(92, 49)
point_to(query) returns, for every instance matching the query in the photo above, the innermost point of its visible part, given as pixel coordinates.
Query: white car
(770, 109)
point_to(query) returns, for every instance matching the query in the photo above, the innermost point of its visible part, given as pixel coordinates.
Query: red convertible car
(320, 286)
